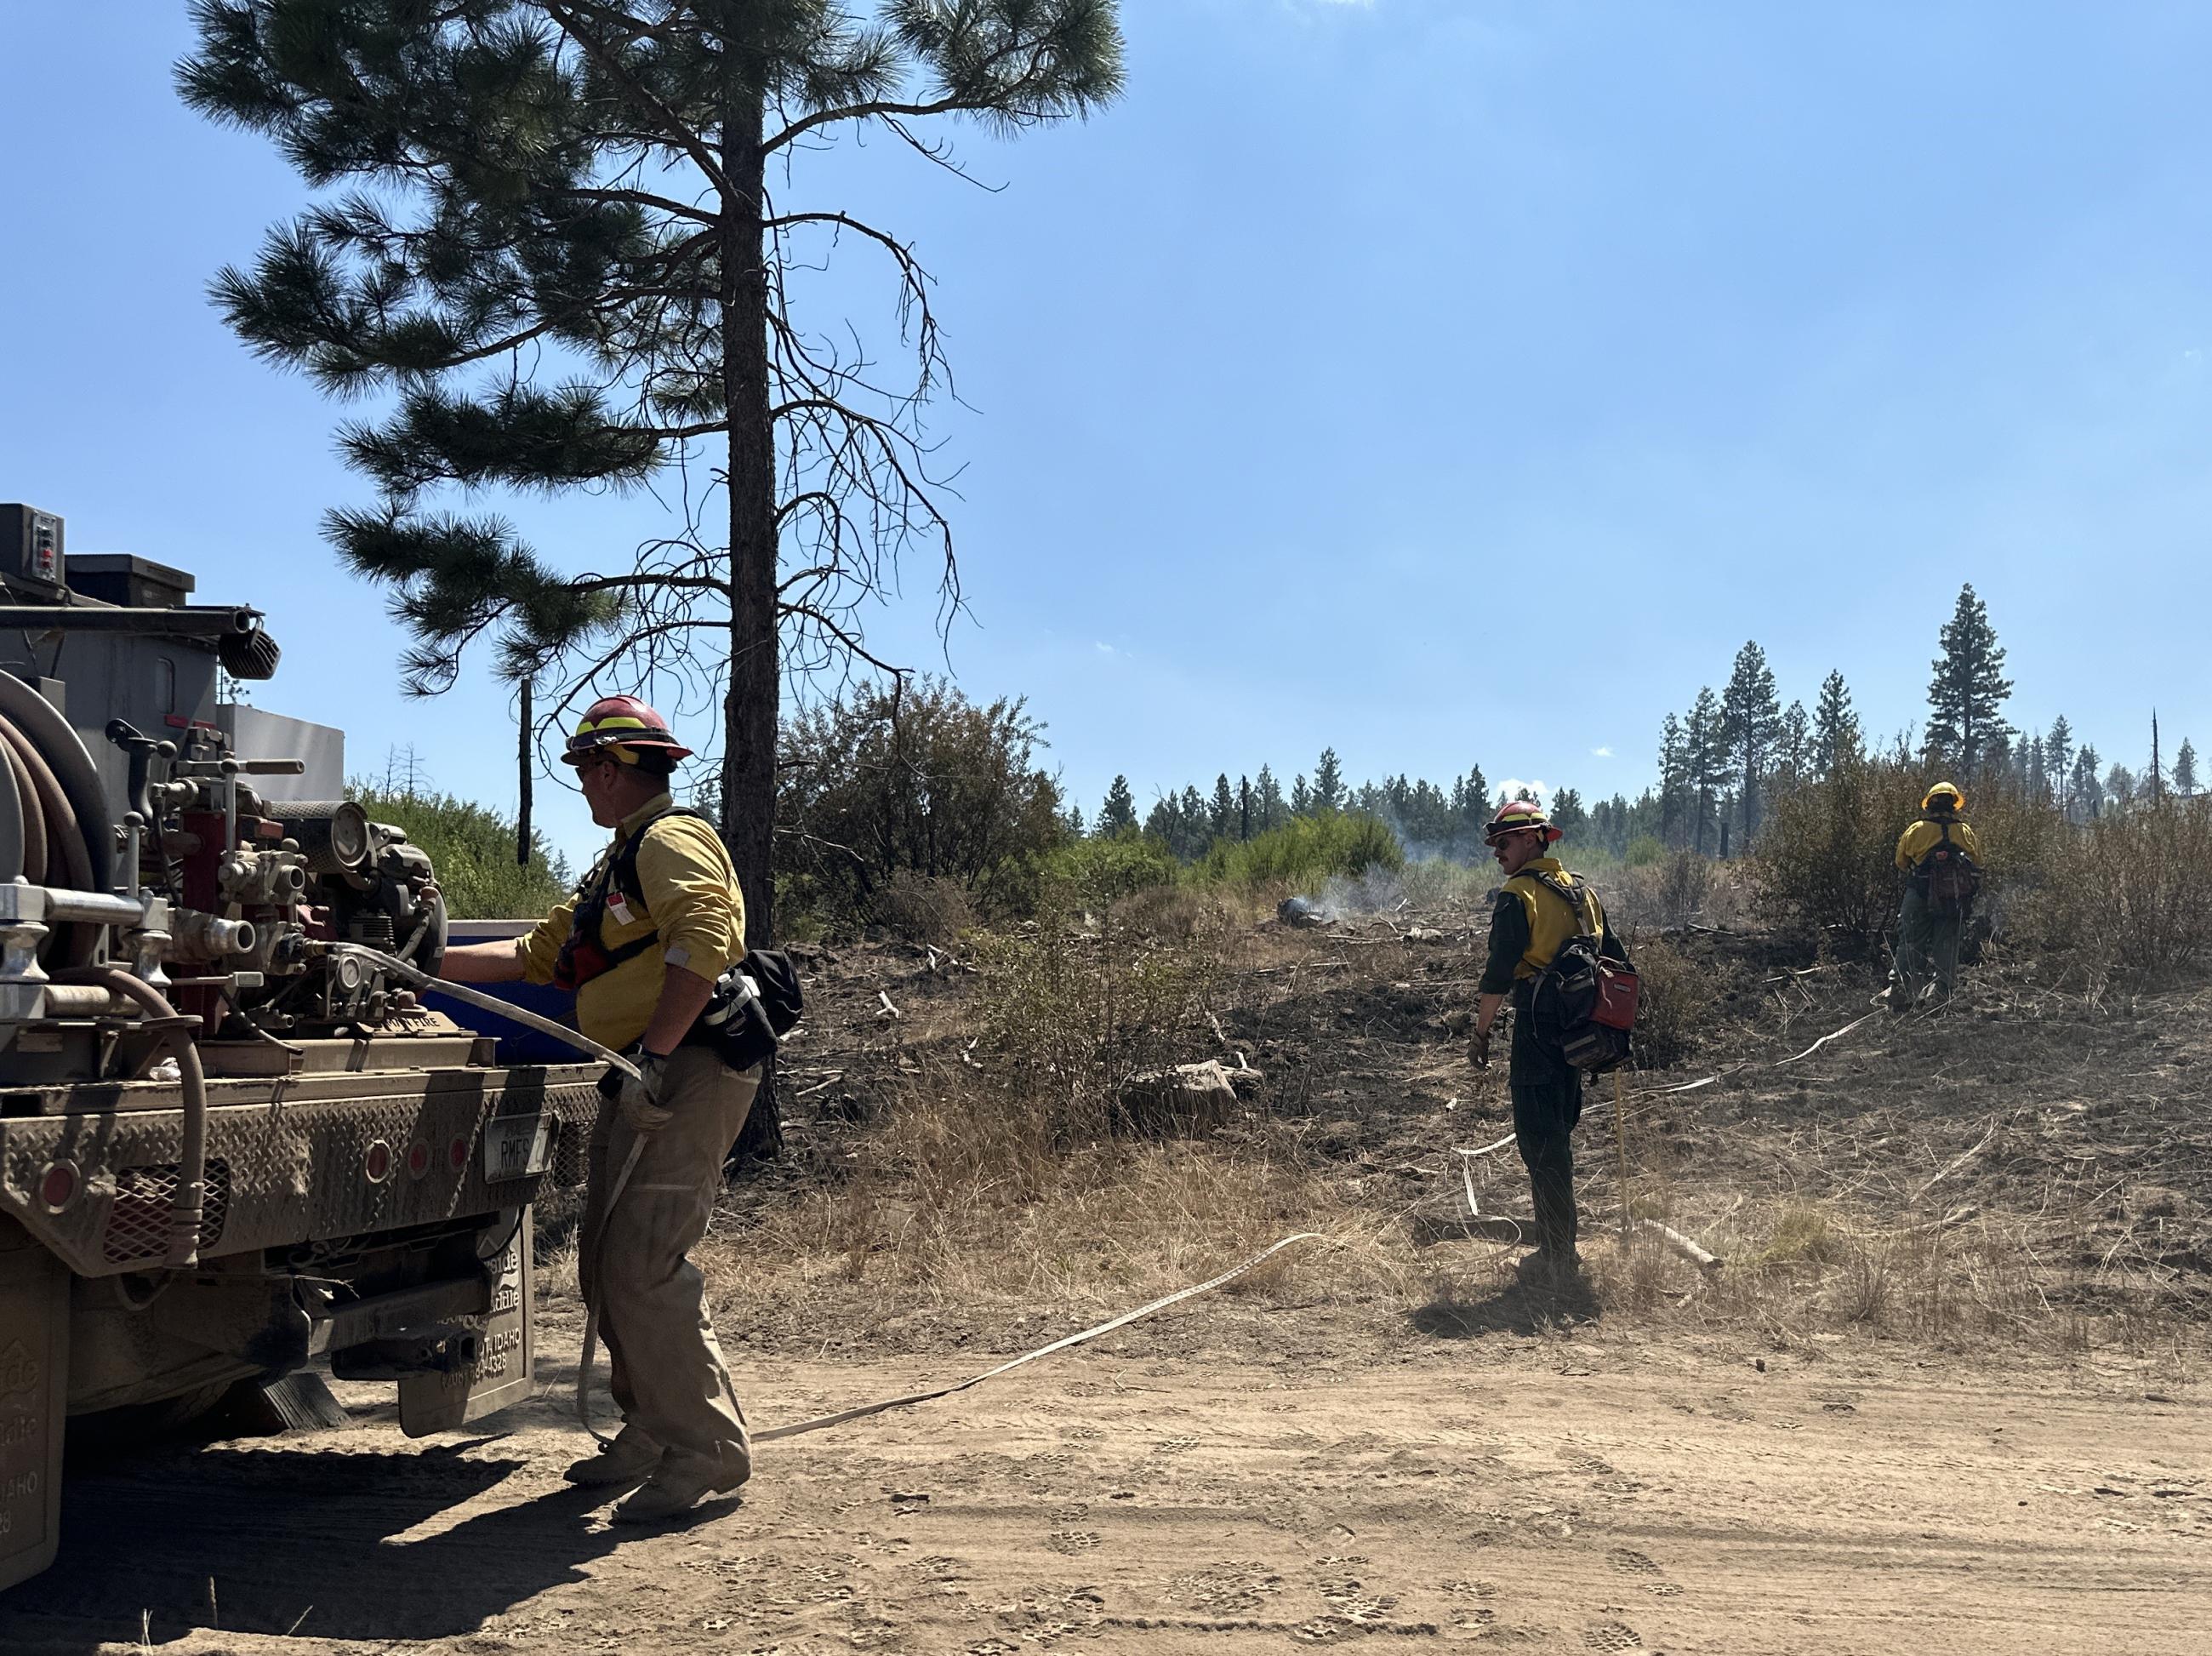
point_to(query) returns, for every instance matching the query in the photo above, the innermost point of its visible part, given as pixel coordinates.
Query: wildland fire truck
(232, 1138)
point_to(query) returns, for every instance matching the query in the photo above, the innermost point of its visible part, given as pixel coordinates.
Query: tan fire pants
(669, 1379)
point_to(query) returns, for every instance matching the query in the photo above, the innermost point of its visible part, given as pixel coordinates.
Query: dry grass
(2027, 1174)
(960, 1215)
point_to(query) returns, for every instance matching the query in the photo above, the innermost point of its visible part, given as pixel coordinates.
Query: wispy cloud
(1600, 752)
(1512, 788)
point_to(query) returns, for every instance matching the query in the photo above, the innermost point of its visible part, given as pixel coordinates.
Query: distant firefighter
(1542, 908)
(1941, 858)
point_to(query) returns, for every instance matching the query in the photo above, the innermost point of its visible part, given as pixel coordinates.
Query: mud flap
(33, 1402)
(504, 1373)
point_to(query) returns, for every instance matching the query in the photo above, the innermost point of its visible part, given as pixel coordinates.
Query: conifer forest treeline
(1721, 762)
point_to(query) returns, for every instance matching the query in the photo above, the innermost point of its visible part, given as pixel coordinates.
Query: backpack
(1583, 1004)
(756, 1003)
(1948, 877)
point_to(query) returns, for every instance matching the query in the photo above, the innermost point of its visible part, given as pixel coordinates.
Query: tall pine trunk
(748, 712)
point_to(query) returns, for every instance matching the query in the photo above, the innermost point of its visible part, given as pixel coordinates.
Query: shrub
(1304, 851)
(2129, 893)
(1644, 850)
(1169, 914)
(921, 909)
(472, 846)
(1094, 873)
(1678, 996)
(1827, 855)
(916, 778)
(1069, 1014)
(1824, 856)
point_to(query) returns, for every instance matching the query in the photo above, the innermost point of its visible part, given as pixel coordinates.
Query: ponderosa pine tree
(1270, 809)
(1969, 689)
(1835, 724)
(1793, 743)
(1706, 759)
(2088, 801)
(1751, 720)
(1223, 816)
(2058, 758)
(2185, 769)
(560, 236)
(1674, 776)
(1328, 782)
(1118, 815)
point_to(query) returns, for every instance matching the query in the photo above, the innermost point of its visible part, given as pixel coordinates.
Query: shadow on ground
(325, 1542)
(1514, 1309)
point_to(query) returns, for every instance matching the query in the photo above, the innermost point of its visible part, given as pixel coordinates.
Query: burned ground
(2029, 1166)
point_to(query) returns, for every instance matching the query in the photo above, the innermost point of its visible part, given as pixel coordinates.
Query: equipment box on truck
(232, 1139)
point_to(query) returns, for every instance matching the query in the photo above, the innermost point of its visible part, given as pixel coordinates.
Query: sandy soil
(1601, 1492)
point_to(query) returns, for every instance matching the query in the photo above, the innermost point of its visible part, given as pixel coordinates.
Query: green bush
(1826, 852)
(912, 778)
(1098, 872)
(472, 848)
(1302, 852)
(1643, 851)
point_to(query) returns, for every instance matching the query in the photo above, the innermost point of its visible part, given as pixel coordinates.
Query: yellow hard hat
(1944, 790)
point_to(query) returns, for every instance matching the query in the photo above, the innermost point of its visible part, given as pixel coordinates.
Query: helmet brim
(591, 748)
(1551, 834)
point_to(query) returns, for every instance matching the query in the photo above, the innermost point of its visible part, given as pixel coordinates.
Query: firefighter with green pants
(1540, 908)
(1941, 858)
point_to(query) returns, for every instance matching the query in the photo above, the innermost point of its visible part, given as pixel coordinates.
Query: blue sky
(1444, 382)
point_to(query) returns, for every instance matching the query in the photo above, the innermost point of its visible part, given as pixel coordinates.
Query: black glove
(1478, 1049)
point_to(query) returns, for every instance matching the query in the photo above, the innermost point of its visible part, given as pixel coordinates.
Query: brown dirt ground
(1602, 1492)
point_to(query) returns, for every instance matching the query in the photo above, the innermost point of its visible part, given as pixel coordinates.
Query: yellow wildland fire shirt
(691, 898)
(1925, 835)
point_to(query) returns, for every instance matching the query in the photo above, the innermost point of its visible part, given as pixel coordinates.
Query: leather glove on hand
(1478, 1049)
(639, 1101)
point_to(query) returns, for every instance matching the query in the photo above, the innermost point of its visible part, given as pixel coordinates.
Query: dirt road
(1587, 1495)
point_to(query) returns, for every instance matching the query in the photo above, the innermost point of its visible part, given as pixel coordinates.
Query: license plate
(517, 1147)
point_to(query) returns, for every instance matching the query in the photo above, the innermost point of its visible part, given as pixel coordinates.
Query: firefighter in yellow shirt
(1941, 858)
(656, 921)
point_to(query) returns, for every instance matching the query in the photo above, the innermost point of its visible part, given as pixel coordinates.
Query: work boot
(632, 1457)
(680, 1483)
(1563, 1271)
(1550, 1270)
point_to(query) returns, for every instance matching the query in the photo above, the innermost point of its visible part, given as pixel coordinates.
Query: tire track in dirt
(1451, 1498)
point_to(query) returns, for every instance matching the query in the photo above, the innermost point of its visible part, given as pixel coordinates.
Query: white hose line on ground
(822, 1423)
